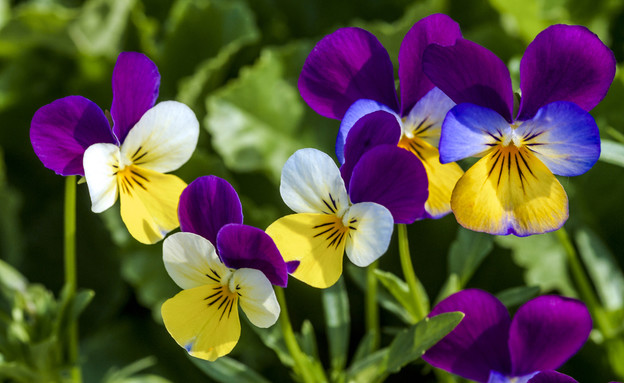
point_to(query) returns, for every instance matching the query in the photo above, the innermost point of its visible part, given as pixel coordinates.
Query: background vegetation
(236, 63)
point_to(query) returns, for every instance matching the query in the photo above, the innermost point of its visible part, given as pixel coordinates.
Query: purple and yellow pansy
(220, 264)
(349, 75)
(73, 136)
(564, 73)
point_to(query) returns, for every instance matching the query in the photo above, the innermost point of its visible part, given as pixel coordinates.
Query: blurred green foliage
(236, 63)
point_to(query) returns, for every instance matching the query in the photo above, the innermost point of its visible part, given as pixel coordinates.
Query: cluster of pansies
(397, 165)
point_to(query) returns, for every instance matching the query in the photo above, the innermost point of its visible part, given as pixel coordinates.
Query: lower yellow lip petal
(149, 202)
(317, 241)
(510, 191)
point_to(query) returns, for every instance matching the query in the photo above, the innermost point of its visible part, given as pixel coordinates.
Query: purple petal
(439, 29)
(547, 331)
(61, 131)
(467, 130)
(291, 266)
(374, 129)
(206, 205)
(344, 67)
(135, 89)
(467, 72)
(242, 246)
(478, 344)
(393, 178)
(565, 63)
(359, 109)
(551, 377)
(564, 137)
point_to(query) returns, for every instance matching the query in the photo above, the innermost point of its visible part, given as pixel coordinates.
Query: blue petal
(469, 130)
(564, 137)
(497, 377)
(357, 110)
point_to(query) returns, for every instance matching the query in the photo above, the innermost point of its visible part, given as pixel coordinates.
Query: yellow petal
(317, 241)
(149, 202)
(442, 177)
(510, 191)
(204, 320)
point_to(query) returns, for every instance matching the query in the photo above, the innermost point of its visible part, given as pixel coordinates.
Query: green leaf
(517, 295)
(612, 152)
(273, 338)
(11, 280)
(100, 27)
(338, 322)
(603, 269)
(228, 370)
(400, 291)
(544, 260)
(129, 374)
(225, 26)
(365, 348)
(407, 346)
(307, 339)
(254, 120)
(526, 18)
(467, 252)
(411, 344)
(615, 354)
(387, 301)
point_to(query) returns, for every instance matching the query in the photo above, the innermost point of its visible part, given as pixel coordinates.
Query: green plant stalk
(372, 309)
(301, 363)
(584, 286)
(70, 273)
(408, 270)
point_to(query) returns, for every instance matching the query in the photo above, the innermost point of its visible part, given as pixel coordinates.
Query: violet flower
(490, 347)
(220, 263)
(72, 136)
(353, 213)
(349, 75)
(564, 73)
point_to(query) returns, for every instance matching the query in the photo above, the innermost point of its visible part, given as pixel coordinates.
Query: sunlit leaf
(602, 268)
(612, 152)
(400, 291)
(544, 260)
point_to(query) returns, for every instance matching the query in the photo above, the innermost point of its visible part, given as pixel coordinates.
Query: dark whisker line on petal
(139, 175)
(214, 279)
(213, 295)
(340, 239)
(333, 202)
(527, 165)
(139, 157)
(138, 183)
(137, 152)
(216, 274)
(215, 300)
(329, 207)
(323, 232)
(323, 224)
(336, 231)
(500, 173)
(520, 174)
(231, 306)
(495, 159)
(225, 308)
(224, 301)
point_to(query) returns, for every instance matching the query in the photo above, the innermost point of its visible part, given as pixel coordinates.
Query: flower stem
(408, 272)
(70, 273)
(584, 285)
(372, 309)
(301, 362)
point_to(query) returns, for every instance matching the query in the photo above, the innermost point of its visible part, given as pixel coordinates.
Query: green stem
(408, 271)
(615, 134)
(301, 362)
(70, 272)
(584, 286)
(372, 309)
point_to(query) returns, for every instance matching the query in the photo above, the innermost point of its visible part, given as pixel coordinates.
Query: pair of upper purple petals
(61, 131)
(563, 63)
(210, 207)
(487, 344)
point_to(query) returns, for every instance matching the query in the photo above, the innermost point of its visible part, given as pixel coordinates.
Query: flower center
(414, 145)
(129, 178)
(334, 231)
(226, 292)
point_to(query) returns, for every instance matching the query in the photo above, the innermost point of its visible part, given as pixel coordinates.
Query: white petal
(257, 298)
(311, 183)
(426, 117)
(163, 139)
(191, 261)
(101, 163)
(373, 225)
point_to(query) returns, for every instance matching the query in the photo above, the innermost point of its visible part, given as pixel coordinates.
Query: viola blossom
(349, 75)
(564, 73)
(356, 214)
(490, 347)
(221, 264)
(72, 136)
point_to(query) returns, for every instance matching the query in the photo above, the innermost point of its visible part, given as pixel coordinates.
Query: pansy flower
(564, 73)
(356, 214)
(72, 136)
(221, 264)
(349, 74)
(490, 347)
